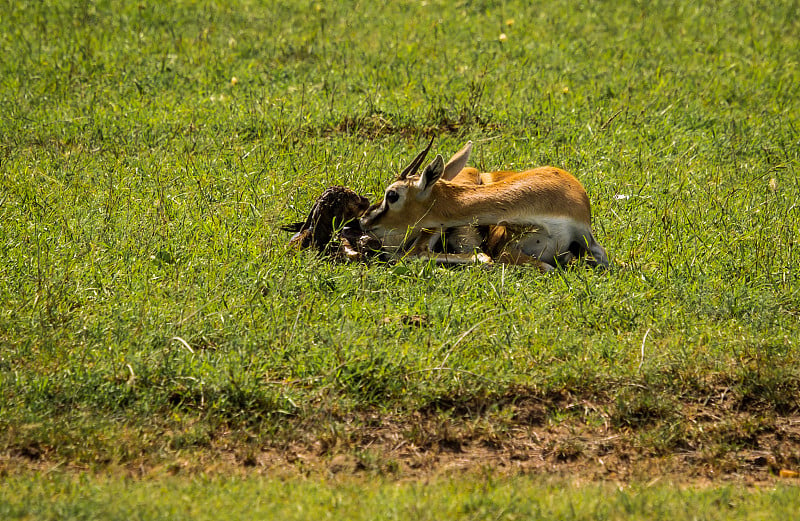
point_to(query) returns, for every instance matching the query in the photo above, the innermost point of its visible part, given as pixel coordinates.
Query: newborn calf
(336, 211)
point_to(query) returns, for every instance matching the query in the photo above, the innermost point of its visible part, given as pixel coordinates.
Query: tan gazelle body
(541, 216)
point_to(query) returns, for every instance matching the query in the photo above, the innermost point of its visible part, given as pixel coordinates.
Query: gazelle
(540, 216)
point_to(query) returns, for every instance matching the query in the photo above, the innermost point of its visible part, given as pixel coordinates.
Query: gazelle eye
(392, 196)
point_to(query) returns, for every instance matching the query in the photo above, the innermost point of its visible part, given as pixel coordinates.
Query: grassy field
(154, 322)
(257, 498)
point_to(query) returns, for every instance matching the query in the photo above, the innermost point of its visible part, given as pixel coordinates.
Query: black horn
(415, 164)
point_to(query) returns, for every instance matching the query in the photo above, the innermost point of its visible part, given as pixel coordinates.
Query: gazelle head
(407, 201)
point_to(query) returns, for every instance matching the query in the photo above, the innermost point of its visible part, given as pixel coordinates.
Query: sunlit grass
(150, 307)
(86, 497)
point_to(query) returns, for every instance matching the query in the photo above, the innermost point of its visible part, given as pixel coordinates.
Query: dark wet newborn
(332, 225)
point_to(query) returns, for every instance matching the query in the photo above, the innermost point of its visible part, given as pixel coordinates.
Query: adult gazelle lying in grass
(540, 216)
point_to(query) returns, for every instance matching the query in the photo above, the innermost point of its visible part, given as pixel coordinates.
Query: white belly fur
(549, 238)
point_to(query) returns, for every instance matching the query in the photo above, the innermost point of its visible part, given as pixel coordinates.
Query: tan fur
(497, 240)
(538, 215)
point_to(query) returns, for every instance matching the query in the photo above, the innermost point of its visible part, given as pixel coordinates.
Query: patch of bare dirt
(560, 436)
(571, 449)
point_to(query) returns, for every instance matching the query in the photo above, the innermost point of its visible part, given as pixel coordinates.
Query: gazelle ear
(457, 162)
(431, 174)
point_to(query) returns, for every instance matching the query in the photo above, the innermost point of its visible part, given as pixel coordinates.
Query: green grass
(82, 497)
(151, 312)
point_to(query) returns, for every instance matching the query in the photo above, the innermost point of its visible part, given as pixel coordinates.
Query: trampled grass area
(152, 315)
